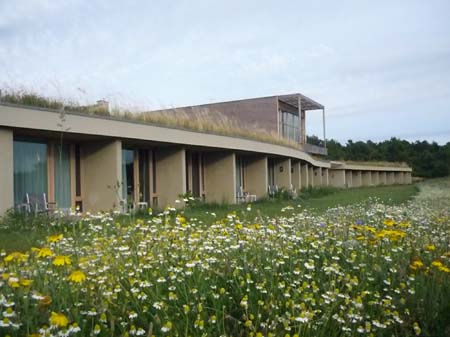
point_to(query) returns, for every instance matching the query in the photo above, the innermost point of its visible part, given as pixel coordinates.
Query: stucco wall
(357, 179)
(283, 173)
(6, 170)
(317, 176)
(296, 175)
(337, 178)
(366, 178)
(349, 178)
(102, 171)
(220, 177)
(255, 176)
(170, 176)
(305, 176)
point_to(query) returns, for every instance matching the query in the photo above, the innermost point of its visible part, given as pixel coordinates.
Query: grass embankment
(22, 232)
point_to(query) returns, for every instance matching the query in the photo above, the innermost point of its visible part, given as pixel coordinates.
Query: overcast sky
(381, 68)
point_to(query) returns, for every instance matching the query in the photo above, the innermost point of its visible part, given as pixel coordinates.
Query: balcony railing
(314, 149)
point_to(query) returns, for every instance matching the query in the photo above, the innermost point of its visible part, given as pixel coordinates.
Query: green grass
(316, 200)
(21, 233)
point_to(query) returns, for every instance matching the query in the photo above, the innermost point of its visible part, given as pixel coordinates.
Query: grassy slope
(30, 230)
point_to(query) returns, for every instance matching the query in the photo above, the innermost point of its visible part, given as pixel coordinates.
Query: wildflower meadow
(368, 269)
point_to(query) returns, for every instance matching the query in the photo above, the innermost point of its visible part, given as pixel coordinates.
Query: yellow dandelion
(15, 256)
(62, 260)
(77, 276)
(58, 319)
(54, 238)
(43, 252)
(389, 222)
(430, 247)
(25, 282)
(416, 265)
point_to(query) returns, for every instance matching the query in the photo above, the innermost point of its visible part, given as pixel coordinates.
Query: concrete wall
(382, 178)
(337, 178)
(399, 178)
(357, 179)
(6, 170)
(220, 177)
(170, 175)
(349, 178)
(311, 176)
(390, 178)
(317, 176)
(366, 178)
(297, 175)
(325, 177)
(283, 173)
(305, 175)
(255, 176)
(102, 171)
(407, 177)
(375, 178)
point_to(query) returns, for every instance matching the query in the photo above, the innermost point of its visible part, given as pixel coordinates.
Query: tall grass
(202, 120)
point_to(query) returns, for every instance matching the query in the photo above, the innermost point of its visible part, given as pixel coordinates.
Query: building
(99, 162)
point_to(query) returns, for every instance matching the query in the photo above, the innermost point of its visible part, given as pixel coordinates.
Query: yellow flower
(61, 260)
(389, 222)
(54, 238)
(43, 252)
(416, 264)
(58, 319)
(18, 256)
(77, 276)
(25, 282)
(430, 247)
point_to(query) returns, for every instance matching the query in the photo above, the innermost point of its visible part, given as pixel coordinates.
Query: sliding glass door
(30, 169)
(62, 176)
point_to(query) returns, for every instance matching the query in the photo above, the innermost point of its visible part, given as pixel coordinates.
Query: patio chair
(37, 203)
(240, 197)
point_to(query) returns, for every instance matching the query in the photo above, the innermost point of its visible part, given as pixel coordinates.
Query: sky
(381, 68)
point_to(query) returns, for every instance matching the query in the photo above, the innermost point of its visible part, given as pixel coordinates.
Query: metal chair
(37, 203)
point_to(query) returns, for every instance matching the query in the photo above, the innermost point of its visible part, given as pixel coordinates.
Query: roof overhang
(306, 102)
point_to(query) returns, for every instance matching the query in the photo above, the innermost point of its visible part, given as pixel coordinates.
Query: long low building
(97, 163)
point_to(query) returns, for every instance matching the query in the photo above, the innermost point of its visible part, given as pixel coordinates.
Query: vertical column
(390, 178)
(255, 176)
(337, 178)
(382, 177)
(317, 176)
(375, 178)
(366, 178)
(305, 176)
(348, 178)
(325, 177)
(170, 175)
(399, 178)
(357, 178)
(220, 177)
(283, 173)
(6, 170)
(407, 177)
(296, 175)
(102, 175)
(311, 176)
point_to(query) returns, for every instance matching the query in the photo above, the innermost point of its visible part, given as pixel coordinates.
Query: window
(128, 175)
(289, 126)
(30, 169)
(62, 176)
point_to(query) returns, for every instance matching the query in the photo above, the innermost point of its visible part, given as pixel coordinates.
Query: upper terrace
(281, 116)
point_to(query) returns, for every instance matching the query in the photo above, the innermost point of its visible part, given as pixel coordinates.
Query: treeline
(428, 160)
